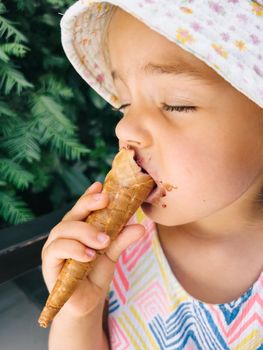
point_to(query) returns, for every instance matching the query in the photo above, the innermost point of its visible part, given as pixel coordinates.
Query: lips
(155, 196)
(159, 191)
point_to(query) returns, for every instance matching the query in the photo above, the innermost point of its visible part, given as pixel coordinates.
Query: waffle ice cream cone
(127, 187)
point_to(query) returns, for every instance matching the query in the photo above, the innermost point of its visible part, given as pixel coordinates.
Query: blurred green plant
(56, 133)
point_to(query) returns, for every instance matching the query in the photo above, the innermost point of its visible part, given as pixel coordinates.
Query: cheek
(210, 172)
(209, 176)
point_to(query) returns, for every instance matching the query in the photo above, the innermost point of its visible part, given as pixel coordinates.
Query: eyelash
(166, 107)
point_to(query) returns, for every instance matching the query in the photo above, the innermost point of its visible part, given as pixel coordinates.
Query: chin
(159, 215)
(163, 216)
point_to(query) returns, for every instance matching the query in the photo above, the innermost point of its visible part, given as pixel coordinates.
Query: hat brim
(83, 24)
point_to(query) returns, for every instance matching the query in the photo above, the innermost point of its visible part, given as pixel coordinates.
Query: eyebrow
(174, 69)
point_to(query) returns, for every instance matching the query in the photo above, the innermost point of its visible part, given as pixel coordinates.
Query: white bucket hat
(226, 35)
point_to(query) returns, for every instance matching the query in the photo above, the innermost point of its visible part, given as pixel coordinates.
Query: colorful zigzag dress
(150, 310)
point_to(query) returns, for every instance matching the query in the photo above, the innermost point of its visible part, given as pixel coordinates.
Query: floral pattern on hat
(226, 35)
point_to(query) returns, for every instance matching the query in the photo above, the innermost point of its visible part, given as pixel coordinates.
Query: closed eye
(179, 108)
(120, 109)
(166, 107)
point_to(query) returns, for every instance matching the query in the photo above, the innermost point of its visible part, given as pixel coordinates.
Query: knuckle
(66, 248)
(67, 215)
(43, 249)
(96, 197)
(60, 249)
(47, 250)
(85, 204)
(55, 230)
(79, 209)
(56, 249)
(45, 256)
(79, 253)
(82, 208)
(52, 247)
(76, 250)
(96, 237)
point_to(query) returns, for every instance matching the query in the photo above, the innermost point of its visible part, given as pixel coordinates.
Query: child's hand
(74, 238)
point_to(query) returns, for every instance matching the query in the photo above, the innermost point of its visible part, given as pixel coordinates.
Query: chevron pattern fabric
(150, 310)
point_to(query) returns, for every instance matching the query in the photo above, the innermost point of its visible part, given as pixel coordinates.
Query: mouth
(139, 162)
(158, 190)
(155, 196)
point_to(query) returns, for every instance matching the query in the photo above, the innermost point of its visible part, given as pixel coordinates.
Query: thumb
(102, 273)
(128, 235)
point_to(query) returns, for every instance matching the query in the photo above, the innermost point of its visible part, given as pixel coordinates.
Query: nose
(133, 130)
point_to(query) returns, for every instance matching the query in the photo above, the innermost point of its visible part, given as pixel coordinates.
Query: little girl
(186, 272)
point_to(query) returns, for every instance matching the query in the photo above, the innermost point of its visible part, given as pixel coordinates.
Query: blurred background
(56, 138)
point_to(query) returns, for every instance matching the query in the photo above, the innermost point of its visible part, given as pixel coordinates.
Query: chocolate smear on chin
(168, 187)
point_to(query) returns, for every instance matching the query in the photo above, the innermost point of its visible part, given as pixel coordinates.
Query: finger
(102, 274)
(85, 204)
(59, 250)
(129, 235)
(83, 232)
(95, 187)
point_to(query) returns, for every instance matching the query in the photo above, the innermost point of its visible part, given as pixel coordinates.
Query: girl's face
(209, 146)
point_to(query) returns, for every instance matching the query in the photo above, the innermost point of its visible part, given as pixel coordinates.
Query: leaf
(8, 118)
(11, 77)
(49, 19)
(68, 147)
(54, 86)
(41, 180)
(14, 49)
(8, 31)
(3, 55)
(6, 110)
(44, 170)
(26, 5)
(2, 8)
(22, 145)
(15, 174)
(56, 129)
(13, 209)
(49, 113)
(59, 4)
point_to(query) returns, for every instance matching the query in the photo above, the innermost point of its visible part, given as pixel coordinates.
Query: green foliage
(14, 173)
(56, 133)
(13, 208)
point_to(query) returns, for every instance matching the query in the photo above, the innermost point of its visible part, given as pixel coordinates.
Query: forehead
(131, 41)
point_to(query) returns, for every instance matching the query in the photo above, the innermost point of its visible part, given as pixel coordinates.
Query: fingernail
(91, 187)
(91, 253)
(102, 238)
